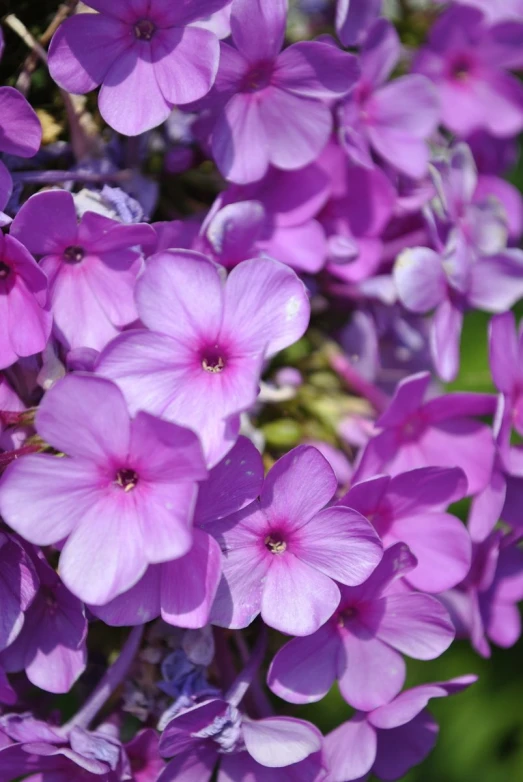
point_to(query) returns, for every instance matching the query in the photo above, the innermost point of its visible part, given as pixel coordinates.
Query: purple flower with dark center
(371, 628)
(51, 647)
(468, 60)
(123, 499)
(390, 740)
(201, 363)
(276, 748)
(440, 432)
(18, 588)
(92, 267)
(72, 753)
(484, 606)
(284, 552)
(20, 134)
(144, 54)
(411, 508)
(24, 303)
(271, 107)
(394, 120)
(182, 591)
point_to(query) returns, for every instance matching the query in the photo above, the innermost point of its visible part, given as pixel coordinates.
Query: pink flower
(122, 500)
(92, 266)
(144, 55)
(201, 363)
(283, 553)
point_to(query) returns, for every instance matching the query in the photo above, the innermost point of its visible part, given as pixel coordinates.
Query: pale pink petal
(297, 599)
(44, 498)
(277, 742)
(340, 543)
(350, 750)
(185, 63)
(84, 48)
(298, 486)
(96, 406)
(132, 75)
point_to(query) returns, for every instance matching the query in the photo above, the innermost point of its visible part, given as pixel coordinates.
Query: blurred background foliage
(481, 730)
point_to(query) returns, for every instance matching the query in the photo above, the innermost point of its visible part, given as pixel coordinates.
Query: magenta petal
(340, 543)
(232, 484)
(239, 141)
(297, 599)
(18, 587)
(442, 546)
(408, 397)
(104, 556)
(267, 304)
(20, 129)
(416, 625)
(350, 750)
(185, 63)
(401, 748)
(169, 297)
(138, 605)
(426, 489)
(298, 486)
(6, 189)
(304, 670)
(258, 27)
(280, 741)
(445, 340)
(190, 767)
(43, 498)
(132, 74)
(296, 128)
(503, 351)
(189, 584)
(100, 407)
(371, 673)
(497, 281)
(316, 70)
(84, 48)
(410, 703)
(241, 767)
(239, 596)
(164, 453)
(419, 279)
(46, 223)
(381, 49)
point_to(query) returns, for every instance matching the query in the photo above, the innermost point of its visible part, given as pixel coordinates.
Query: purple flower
(283, 552)
(24, 303)
(361, 205)
(484, 606)
(182, 591)
(373, 625)
(389, 740)
(41, 749)
(440, 432)
(354, 17)
(200, 365)
(411, 508)
(144, 55)
(467, 61)
(272, 106)
(394, 120)
(287, 230)
(122, 500)
(20, 134)
(142, 752)
(92, 267)
(18, 587)
(51, 646)
(277, 748)
(10, 403)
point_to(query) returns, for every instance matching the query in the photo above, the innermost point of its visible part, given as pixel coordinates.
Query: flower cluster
(230, 301)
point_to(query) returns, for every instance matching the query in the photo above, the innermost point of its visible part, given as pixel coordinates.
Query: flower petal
(277, 742)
